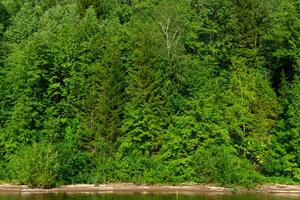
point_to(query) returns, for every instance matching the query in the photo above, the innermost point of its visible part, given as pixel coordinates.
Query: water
(139, 196)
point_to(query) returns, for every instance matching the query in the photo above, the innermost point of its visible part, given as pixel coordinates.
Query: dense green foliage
(149, 91)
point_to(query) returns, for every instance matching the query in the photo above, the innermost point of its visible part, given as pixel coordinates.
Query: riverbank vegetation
(149, 91)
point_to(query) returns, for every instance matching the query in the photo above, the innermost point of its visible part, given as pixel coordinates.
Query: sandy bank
(85, 188)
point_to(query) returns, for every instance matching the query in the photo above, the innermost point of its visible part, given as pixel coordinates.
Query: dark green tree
(284, 156)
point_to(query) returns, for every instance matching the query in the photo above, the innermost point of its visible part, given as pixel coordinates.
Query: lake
(151, 196)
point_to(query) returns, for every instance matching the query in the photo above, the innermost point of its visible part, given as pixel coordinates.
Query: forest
(149, 92)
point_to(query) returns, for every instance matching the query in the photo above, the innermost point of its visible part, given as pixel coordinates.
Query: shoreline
(278, 189)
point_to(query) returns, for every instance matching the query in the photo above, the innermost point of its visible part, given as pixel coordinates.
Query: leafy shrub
(74, 162)
(131, 167)
(35, 165)
(104, 165)
(220, 164)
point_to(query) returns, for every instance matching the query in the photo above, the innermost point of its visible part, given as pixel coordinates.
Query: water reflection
(149, 196)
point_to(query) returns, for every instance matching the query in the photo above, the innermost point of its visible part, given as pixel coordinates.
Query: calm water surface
(144, 197)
